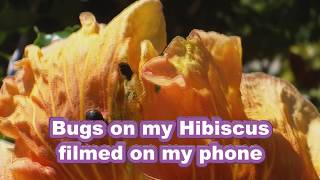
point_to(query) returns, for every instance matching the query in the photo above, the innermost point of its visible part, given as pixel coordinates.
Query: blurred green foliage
(309, 52)
(279, 37)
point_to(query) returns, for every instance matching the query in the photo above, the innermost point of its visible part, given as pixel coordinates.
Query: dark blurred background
(279, 37)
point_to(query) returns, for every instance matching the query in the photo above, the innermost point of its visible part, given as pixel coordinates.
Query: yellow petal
(292, 116)
(6, 158)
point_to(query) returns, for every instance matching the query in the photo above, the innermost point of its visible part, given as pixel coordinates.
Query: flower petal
(294, 117)
(71, 76)
(198, 68)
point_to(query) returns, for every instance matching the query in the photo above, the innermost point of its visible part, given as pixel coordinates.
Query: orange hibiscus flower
(116, 69)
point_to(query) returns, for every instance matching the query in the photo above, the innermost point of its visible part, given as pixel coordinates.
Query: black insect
(125, 70)
(94, 114)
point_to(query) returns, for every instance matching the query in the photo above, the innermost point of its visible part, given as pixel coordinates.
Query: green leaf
(44, 39)
(67, 31)
(5, 138)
